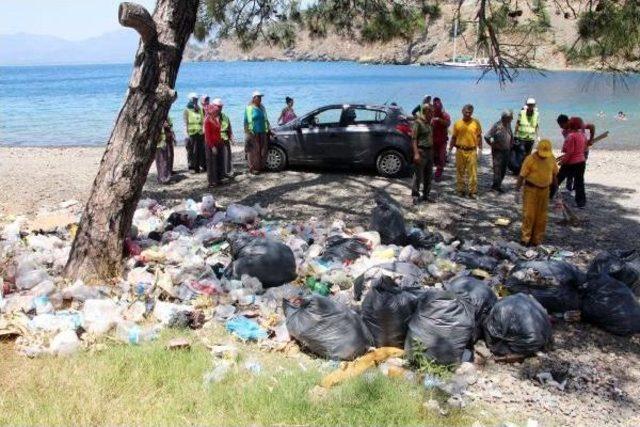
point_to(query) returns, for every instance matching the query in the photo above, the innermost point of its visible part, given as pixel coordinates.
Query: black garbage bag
(476, 260)
(442, 328)
(388, 221)
(405, 274)
(517, 324)
(621, 265)
(553, 283)
(327, 328)
(478, 294)
(344, 248)
(386, 311)
(269, 261)
(610, 305)
(419, 238)
(516, 157)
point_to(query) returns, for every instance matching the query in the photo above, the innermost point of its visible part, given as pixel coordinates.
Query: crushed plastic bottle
(131, 333)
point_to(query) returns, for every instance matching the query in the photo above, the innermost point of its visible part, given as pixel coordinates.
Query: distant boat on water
(464, 61)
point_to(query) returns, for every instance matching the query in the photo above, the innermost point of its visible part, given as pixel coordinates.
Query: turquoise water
(77, 105)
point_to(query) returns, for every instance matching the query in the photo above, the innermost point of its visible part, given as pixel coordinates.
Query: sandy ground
(31, 178)
(602, 369)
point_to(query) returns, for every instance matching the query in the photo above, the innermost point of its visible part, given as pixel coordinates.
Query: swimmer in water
(621, 116)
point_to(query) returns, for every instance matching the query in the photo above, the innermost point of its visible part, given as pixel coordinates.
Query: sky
(67, 19)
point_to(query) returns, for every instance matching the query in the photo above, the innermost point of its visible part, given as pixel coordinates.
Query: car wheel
(276, 159)
(390, 163)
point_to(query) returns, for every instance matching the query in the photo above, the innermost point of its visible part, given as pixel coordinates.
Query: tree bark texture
(98, 249)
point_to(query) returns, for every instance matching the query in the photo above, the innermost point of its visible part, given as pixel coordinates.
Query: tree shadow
(608, 221)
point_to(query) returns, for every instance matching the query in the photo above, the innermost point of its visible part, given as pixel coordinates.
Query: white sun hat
(217, 102)
(531, 101)
(257, 93)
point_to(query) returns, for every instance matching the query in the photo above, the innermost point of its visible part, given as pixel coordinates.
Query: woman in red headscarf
(213, 144)
(573, 161)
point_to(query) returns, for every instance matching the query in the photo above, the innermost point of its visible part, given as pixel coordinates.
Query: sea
(77, 105)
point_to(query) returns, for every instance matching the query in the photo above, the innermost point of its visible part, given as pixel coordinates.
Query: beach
(33, 178)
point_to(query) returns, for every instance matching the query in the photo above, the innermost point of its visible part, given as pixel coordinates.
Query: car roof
(356, 105)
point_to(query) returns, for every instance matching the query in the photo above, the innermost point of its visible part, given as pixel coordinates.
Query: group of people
(539, 172)
(209, 138)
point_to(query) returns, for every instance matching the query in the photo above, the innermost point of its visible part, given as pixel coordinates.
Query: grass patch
(150, 385)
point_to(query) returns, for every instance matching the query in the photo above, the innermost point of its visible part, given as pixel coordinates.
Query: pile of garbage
(335, 291)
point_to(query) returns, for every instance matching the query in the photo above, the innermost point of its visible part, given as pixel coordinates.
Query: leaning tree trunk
(98, 249)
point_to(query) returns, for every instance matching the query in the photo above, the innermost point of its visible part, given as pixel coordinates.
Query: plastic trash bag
(553, 283)
(517, 324)
(404, 274)
(418, 238)
(344, 249)
(442, 329)
(184, 217)
(610, 305)
(269, 261)
(387, 219)
(386, 311)
(478, 294)
(474, 260)
(327, 328)
(240, 214)
(245, 329)
(100, 315)
(621, 265)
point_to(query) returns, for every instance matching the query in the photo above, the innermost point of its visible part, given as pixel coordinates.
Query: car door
(318, 133)
(365, 131)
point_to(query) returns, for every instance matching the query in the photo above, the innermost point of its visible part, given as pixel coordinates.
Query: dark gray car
(348, 134)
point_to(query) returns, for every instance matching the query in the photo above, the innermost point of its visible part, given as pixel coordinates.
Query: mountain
(30, 49)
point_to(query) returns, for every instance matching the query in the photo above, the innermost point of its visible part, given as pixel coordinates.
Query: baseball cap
(531, 101)
(193, 95)
(257, 93)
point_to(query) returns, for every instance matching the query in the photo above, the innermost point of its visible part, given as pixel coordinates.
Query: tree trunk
(98, 249)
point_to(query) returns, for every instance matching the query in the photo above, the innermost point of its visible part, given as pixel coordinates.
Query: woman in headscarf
(287, 113)
(214, 144)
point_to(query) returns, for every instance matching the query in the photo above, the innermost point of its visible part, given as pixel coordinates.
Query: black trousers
(422, 173)
(215, 164)
(575, 172)
(500, 162)
(199, 155)
(521, 149)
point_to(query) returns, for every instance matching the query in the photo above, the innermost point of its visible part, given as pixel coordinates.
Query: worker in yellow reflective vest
(525, 134)
(539, 171)
(256, 129)
(467, 139)
(193, 121)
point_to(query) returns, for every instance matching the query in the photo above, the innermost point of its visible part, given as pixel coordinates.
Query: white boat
(465, 61)
(469, 63)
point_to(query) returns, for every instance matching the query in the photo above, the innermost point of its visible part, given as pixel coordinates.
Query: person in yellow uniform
(467, 139)
(539, 171)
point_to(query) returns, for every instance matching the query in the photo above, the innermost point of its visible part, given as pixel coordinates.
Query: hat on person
(531, 101)
(544, 148)
(506, 113)
(193, 95)
(257, 93)
(217, 102)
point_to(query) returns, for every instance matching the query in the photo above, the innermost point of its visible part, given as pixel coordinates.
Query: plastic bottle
(132, 333)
